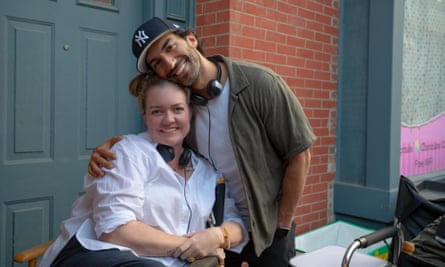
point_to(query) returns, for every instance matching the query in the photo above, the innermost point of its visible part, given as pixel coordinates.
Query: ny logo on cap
(140, 38)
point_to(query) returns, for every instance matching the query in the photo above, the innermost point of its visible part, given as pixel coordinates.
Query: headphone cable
(209, 137)
(187, 202)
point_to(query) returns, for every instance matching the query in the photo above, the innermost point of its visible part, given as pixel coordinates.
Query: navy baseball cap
(146, 35)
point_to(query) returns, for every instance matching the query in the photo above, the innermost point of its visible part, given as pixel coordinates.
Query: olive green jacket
(267, 127)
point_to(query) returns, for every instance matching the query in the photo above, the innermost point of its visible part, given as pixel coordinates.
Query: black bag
(428, 251)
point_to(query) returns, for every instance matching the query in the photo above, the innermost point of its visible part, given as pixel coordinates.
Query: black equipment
(168, 154)
(419, 203)
(214, 88)
(218, 208)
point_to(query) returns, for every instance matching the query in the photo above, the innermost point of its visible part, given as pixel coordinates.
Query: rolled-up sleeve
(118, 197)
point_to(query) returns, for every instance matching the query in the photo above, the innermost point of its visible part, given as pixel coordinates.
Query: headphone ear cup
(198, 100)
(185, 158)
(214, 88)
(166, 152)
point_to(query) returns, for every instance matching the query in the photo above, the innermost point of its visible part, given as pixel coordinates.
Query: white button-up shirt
(143, 187)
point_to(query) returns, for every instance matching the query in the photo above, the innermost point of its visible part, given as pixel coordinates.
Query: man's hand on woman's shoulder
(102, 157)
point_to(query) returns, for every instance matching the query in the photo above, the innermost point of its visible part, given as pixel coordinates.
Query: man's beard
(194, 68)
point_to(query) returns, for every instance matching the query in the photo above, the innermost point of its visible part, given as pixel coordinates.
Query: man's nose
(169, 63)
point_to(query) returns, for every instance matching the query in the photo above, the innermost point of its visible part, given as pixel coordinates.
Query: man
(247, 123)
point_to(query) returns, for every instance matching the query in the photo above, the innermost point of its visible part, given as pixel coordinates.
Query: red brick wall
(298, 40)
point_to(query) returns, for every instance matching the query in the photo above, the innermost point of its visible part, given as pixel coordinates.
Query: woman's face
(167, 114)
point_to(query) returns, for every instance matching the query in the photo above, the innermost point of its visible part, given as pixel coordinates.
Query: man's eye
(171, 46)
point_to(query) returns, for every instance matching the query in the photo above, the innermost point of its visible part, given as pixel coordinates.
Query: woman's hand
(202, 244)
(102, 157)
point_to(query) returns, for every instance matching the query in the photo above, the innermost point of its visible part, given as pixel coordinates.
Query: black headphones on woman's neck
(214, 87)
(168, 154)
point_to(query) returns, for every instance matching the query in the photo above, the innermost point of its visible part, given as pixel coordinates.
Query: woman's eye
(179, 109)
(156, 112)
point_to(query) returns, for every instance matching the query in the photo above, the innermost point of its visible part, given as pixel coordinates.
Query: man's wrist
(282, 232)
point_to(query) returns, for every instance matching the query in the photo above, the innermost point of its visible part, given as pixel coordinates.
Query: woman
(152, 209)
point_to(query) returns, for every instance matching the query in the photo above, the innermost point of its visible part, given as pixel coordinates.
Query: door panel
(27, 91)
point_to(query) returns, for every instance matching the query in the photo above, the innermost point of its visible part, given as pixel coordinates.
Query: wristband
(281, 232)
(227, 243)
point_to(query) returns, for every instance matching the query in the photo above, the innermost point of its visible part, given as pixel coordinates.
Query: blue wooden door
(64, 70)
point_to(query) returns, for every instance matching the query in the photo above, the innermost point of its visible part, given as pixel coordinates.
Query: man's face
(175, 58)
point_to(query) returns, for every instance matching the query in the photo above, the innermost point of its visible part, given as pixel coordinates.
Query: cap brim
(141, 64)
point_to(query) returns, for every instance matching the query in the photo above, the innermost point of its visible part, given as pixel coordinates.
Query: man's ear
(191, 39)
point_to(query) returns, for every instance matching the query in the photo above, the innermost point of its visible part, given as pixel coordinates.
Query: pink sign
(422, 148)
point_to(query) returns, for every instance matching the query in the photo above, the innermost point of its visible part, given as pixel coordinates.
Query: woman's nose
(168, 117)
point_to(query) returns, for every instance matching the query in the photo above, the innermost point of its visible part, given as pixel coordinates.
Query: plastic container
(338, 233)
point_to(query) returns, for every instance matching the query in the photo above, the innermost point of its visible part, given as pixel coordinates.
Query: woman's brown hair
(140, 84)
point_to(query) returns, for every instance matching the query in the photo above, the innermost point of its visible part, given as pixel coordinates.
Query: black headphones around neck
(168, 154)
(214, 87)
